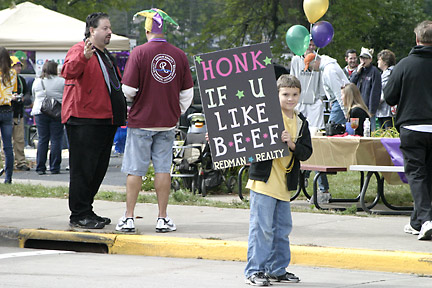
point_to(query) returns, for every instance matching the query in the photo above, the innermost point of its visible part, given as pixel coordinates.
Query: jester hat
(155, 19)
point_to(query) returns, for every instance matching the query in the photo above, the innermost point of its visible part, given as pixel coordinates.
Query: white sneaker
(410, 230)
(126, 225)
(426, 231)
(165, 225)
(323, 197)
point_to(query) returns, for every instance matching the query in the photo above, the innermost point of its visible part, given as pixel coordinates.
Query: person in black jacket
(409, 87)
(367, 77)
(270, 183)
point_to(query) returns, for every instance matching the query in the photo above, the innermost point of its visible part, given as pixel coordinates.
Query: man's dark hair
(93, 21)
(349, 51)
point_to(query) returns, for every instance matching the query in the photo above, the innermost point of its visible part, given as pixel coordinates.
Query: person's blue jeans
(336, 114)
(269, 227)
(49, 130)
(373, 121)
(322, 181)
(6, 126)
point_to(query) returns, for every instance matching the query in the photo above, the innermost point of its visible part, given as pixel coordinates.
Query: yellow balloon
(315, 9)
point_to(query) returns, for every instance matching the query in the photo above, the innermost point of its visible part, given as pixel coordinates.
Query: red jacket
(85, 94)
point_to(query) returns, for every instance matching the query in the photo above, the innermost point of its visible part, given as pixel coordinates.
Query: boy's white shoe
(164, 225)
(126, 225)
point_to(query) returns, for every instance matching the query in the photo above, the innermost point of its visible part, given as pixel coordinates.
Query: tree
(210, 25)
(373, 24)
(368, 23)
(75, 8)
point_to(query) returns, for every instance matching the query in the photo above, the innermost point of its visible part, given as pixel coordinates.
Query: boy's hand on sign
(286, 138)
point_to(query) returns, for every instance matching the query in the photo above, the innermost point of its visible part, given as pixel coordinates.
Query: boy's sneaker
(258, 279)
(410, 230)
(287, 277)
(165, 225)
(426, 231)
(126, 225)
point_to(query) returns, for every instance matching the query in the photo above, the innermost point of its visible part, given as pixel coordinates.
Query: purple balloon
(322, 33)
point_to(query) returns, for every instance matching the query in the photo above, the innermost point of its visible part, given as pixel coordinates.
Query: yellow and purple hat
(155, 20)
(15, 60)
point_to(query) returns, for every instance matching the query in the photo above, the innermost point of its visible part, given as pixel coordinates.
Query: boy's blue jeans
(269, 227)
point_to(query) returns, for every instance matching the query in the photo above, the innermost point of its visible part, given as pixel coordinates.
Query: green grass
(179, 197)
(342, 185)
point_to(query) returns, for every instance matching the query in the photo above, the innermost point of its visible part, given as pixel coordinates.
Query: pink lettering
(238, 62)
(255, 61)
(205, 69)
(218, 63)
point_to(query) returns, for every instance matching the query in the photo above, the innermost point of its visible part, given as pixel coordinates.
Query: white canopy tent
(28, 26)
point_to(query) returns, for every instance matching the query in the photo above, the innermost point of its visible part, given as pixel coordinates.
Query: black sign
(241, 105)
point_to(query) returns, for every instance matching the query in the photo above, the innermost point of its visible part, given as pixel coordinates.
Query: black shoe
(2, 171)
(23, 167)
(55, 172)
(106, 220)
(88, 222)
(41, 172)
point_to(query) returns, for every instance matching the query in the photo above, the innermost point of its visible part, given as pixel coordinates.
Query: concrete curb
(9, 236)
(360, 259)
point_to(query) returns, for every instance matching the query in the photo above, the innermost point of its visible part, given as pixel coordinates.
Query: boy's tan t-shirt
(276, 185)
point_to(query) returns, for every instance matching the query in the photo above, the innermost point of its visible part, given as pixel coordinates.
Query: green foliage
(210, 25)
(148, 180)
(373, 24)
(75, 8)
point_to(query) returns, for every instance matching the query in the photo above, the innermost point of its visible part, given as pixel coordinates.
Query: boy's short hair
(289, 81)
(388, 57)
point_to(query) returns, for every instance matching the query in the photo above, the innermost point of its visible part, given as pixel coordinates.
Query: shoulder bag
(50, 106)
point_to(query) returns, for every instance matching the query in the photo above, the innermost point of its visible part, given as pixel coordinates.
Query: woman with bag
(49, 129)
(8, 84)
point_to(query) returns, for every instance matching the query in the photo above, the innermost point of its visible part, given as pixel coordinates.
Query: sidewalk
(351, 242)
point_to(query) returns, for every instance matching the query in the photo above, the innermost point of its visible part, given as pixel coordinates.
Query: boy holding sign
(269, 183)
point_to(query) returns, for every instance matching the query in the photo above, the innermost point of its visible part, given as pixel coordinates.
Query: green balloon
(298, 38)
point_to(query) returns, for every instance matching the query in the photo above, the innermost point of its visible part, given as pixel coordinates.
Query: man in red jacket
(93, 108)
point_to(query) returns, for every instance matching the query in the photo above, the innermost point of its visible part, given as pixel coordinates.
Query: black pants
(89, 156)
(416, 148)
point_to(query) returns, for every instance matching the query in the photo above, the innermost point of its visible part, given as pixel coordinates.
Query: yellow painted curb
(358, 259)
(68, 236)
(180, 247)
(363, 259)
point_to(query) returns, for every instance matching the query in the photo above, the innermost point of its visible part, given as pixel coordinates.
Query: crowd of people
(94, 98)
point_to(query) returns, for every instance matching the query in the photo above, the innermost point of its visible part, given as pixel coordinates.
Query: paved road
(114, 178)
(47, 268)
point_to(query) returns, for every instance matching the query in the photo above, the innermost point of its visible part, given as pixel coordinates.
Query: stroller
(192, 160)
